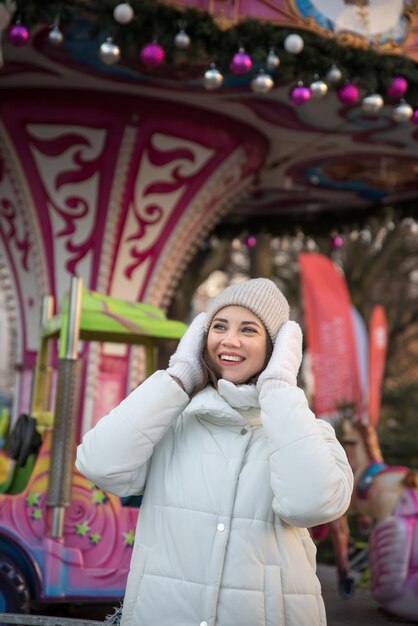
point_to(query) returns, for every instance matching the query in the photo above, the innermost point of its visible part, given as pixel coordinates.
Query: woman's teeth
(227, 357)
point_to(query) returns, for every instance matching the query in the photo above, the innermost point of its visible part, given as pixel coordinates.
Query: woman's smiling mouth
(227, 357)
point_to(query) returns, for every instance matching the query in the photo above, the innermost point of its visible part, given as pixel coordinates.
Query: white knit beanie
(259, 295)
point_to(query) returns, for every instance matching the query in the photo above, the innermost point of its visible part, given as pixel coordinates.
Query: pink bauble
(348, 94)
(336, 242)
(300, 94)
(240, 63)
(18, 35)
(152, 54)
(397, 88)
(250, 241)
(414, 118)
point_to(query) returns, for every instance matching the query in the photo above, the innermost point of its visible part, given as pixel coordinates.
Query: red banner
(378, 340)
(330, 337)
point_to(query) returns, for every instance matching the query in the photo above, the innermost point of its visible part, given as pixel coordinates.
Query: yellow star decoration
(98, 497)
(37, 514)
(82, 529)
(95, 538)
(129, 538)
(32, 499)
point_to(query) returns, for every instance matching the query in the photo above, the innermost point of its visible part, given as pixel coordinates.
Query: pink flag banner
(378, 340)
(330, 337)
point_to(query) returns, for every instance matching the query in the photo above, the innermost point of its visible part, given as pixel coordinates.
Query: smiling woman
(233, 467)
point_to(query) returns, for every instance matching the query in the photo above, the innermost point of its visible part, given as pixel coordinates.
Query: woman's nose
(231, 339)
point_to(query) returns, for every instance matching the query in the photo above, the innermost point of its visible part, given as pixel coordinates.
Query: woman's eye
(248, 329)
(218, 326)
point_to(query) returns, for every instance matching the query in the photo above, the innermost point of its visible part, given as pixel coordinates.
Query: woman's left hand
(284, 364)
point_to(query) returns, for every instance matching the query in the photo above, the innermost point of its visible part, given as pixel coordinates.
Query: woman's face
(236, 344)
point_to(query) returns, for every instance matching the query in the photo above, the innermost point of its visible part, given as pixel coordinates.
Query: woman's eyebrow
(243, 323)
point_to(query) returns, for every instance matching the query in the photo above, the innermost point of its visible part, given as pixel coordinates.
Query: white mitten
(283, 367)
(185, 363)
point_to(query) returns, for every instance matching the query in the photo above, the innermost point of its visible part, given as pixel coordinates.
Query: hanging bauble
(182, 40)
(250, 241)
(336, 242)
(402, 112)
(318, 88)
(123, 13)
(334, 74)
(213, 79)
(240, 63)
(397, 88)
(18, 35)
(55, 36)
(372, 103)
(348, 93)
(272, 60)
(300, 94)
(109, 52)
(152, 54)
(293, 44)
(414, 117)
(262, 83)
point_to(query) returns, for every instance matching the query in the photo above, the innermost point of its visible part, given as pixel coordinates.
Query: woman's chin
(235, 377)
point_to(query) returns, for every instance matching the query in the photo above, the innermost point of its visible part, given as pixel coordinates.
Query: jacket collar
(229, 403)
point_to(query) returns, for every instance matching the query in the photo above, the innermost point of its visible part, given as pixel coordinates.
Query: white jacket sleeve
(311, 478)
(114, 454)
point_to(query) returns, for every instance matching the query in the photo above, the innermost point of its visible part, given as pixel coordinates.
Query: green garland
(370, 70)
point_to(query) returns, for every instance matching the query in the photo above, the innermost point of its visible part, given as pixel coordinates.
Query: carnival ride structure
(61, 538)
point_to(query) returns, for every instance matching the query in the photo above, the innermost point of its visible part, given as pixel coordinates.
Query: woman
(234, 468)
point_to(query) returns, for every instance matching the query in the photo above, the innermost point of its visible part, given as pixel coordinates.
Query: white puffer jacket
(221, 537)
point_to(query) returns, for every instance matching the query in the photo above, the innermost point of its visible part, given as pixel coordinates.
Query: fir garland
(153, 20)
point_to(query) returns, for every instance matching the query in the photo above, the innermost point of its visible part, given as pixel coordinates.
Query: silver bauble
(213, 78)
(272, 60)
(318, 88)
(109, 52)
(262, 83)
(182, 40)
(334, 74)
(123, 13)
(293, 44)
(372, 103)
(402, 112)
(55, 36)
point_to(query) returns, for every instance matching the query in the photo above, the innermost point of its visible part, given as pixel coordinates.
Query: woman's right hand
(185, 364)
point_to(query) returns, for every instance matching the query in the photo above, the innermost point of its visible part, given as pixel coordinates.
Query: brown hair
(211, 372)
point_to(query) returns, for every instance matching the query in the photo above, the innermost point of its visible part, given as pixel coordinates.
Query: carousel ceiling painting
(128, 131)
(330, 86)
